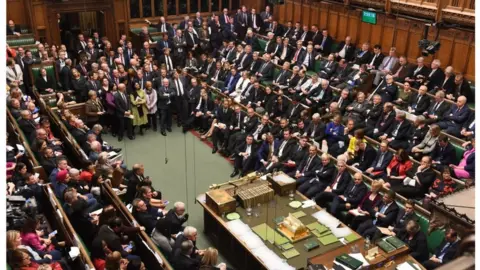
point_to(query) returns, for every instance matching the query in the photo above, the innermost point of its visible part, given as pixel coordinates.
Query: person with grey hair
(163, 105)
(96, 149)
(435, 78)
(177, 217)
(316, 129)
(188, 234)
(419, 132)
(398, 133)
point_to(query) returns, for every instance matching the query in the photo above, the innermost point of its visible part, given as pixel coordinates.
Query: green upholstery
(138, 30)
(459, 151)
(50, 72)
(20, 41)
(156, 38)
(262, 43)
(435, 238)
(8, 267)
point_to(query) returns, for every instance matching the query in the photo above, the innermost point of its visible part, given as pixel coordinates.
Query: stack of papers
(290, 253)
(308, 203)
(407, 266)
(326, 219)
(299, 214)
(352, 237)
(360, 257)
(328, 239)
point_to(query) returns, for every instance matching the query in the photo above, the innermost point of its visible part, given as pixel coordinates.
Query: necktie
(14, 71)
(303, 36)
(164, 29)
(382, 211)
(238, 122)
(388, 61)
(124, 98)
(296, 55)
(380, 160)
(308, 164)
(336, 180)
(340, 102)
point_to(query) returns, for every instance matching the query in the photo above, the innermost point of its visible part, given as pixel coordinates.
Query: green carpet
(190, 170)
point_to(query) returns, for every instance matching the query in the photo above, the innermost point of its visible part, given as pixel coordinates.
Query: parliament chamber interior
(228, 134)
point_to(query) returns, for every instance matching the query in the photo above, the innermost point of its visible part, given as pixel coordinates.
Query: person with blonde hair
(210, 260)
(365, 206)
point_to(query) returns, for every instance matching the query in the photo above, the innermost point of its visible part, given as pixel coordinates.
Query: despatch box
(220, 201)
(282, 184)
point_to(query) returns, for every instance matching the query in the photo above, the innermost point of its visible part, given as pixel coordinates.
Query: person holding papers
(139, 108)
(383, 214)
(403, 217)
(356, 216)
(418, 185)
(352, 196)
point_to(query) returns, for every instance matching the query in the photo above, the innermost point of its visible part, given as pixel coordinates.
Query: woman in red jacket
(397, 169)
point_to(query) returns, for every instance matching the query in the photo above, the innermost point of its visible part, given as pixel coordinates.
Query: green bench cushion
(50, 72)
(20, 41)
(262, 43)
(156, 38)
(138, 30)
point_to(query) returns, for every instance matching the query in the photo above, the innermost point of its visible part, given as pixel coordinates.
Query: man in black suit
(80, 44)
(352, 196)
(306, 169)
(424, 178)
(383, 214)
(305, 36)
(307, 59)
(376, 58)
(108, 235)
(446, 252)
(255, 21)
(418, 74)
(27, 124)
(337, 186)
(324, 46)
(202, 112)
(189, 234)
(265, 72)
(436, 77)
(245, 59)
(224, 18)
(13, 29)
(342, 100)
(162, 26)
(403, 217)
(225, 117)
(92, 51)
(398, 133)
(93, 83)
(183, 260)
(297, 32)
(180, 99)
(388, 89)
(164, 93)
(193, 41)
(383, 123)
(419, 103)
(123, 113)
(281, 80)
(328, 68)
(245, 155)
(177, 217)
(364, 157)
(461, 88)
(437, 110)
(65, 75)
(322, 178)
(144, 216)
(316, 130)
(364, 55)
(341, 73)
(222, 135)
(346, 50)
(443, 154)
(164, 43)
(381, 161)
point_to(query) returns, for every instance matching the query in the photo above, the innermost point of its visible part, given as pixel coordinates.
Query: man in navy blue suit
(456, 117)
(381, 161)
(445, 252)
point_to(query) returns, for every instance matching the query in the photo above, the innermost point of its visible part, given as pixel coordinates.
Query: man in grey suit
(386, 66)
(179, 48)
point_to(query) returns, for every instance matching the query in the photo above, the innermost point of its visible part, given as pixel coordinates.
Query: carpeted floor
(180, 165)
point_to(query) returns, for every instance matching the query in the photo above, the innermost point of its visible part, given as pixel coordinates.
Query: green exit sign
(369, 17)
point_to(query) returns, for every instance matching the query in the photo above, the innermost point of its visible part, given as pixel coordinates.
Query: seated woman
(397, 169)
(415, 240)
(20, 259)
(367, 203)
(442, 187)
(358, 136)
(32, 236)
(210, 260)
(14, 242)
(334, 130)
(466, 168)
(428, 143)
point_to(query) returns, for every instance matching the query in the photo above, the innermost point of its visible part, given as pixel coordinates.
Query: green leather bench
(20, 41)
(157, 38)
(50, 72)
(262, 43)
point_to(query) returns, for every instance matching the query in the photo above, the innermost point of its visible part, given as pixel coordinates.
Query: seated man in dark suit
(419, 103)
(364, 55)
(456, 117)
(444, 253)
(383, 158)
(346, 50)
(336, 187)
(316, 130)
(306, 169)
(382, 215)
(468, 129)
(404, 215)
(328, 68)
(443, 154)
(44, 83)
(322, 178)
(438, 109)
(352, 196)
(189, 234)
(245, 156)
(143, 216)
(436, 77)
(421, 181)
(364, 157)
(307, 59)
(177, 217)
(183, 260)
(398, 133)
(107, 235)
(343, 101)
(384, 122)
(265, 72)
(388, 90)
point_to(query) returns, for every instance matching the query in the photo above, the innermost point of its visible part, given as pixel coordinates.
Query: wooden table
(239, 255)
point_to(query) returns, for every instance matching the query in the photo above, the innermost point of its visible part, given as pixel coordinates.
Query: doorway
(73, 23)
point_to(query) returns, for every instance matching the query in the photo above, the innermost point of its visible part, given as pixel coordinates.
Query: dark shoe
(214, 150)
(120, 139)
(234, 173)
(163, 133)
(118, 150)
(169, 129)
(131, 137)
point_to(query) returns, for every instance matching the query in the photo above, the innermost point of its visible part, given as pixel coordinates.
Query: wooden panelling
(457, 47)
(16, 12)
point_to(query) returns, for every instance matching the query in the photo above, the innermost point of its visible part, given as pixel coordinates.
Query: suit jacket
(363, 57)
(327, 72)
(418, 245)
(355, 196)
(308, 170)
(175, 221)
(327, 44)
(388, 92)
(247, 60)
(191, 40)
(378, 60)
(179, 45)
(235, 79)
(344, 105)
(27, 126)
(182, 262)
(350, 51)
(365, 158)
(445, 155)
(146, 219)
(16, 29)
(65, 78)
(162, 44)
(258, 20)
(385, 122)
(12, 76)
(282, 77)
(458, 116)
(439, 111)
(311, 60)
(402, 220)
(372, 114)
(343, 182)
(386, 160)
(325, 173)
(121, 105)
(404, 72)
(163, 97)
(267, 70)
(264, 151)
(42, 85)
(293, 112)
(436, 79)
(319, 133)
(390, 213)
(449, 253)
(426, 178)
(403, 133)
(110, 238)
(417, 74)
(419, 107)
(388, 63)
